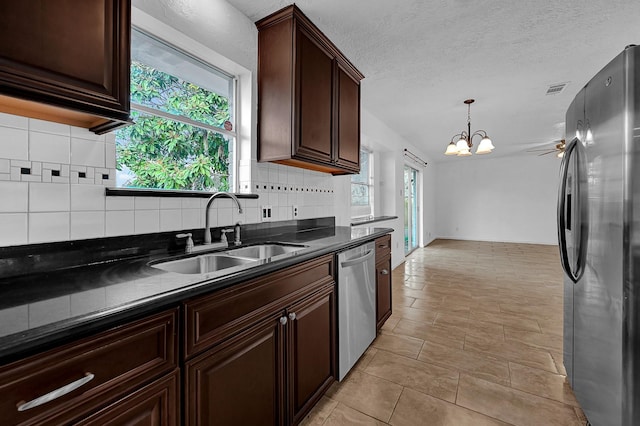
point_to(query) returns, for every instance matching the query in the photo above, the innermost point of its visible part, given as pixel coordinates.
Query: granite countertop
(40, 310)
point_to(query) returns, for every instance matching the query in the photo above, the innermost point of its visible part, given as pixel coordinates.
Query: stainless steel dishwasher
(356, 305)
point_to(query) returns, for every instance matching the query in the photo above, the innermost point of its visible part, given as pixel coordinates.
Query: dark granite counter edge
(372, 220)
(42, 338)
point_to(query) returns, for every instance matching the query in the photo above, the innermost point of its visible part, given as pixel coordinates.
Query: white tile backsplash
(53, 203)
(146, 221)
(49, 197)
(192, 218)
(48, 227)
(110, 155)
(88, 224)
(16, 121)
(79, 132)
(170, 220)
(87, 197)
(119, 203)
(14, 197)
(225, 217)
(49, 148)
(14, 143)
(147, 203)
(119, 222)
(86, 152)
(13, 229)
(49, 127)
(170, 203)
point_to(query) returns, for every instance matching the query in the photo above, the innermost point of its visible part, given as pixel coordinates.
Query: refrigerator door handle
(566, 216)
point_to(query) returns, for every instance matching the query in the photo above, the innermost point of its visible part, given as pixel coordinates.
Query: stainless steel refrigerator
(599, 239)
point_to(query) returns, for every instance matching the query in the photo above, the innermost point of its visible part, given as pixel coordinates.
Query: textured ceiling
(421, 59)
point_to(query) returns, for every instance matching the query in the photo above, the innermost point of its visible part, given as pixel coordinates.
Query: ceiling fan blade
(539, 150)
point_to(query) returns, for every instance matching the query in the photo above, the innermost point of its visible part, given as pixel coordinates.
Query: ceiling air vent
(554, 89)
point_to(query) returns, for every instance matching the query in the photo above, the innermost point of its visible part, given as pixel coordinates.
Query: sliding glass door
(410, 209)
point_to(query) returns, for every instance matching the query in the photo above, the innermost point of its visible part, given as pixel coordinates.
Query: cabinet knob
(292, 316)
(283, 320)
(384, 272)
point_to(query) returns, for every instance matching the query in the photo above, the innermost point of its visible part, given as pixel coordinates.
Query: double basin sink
(214, 262)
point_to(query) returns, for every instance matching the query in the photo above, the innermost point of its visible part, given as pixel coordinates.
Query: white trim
(243, 86)
(181, 119)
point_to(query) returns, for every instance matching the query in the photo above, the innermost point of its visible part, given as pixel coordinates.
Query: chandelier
(462, 147)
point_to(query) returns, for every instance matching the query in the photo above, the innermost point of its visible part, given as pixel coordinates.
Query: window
(362, 187)
(184, 133)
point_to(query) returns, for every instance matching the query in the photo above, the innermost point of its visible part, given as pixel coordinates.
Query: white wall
(389, 147)
(511, 199)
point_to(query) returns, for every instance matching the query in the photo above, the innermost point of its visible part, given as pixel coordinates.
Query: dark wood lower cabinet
(311, 357)
(153, 405)
(239, 382)
(272, 373)
(261, 352)
(383, 291)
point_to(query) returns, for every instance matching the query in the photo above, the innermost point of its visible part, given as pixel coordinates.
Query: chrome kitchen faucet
(207, 226)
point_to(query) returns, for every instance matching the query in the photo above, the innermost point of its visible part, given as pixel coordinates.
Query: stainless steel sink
(264, 251)
(202, 264)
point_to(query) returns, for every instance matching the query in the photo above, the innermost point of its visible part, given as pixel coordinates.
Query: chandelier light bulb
(485, 146)
(452, 149)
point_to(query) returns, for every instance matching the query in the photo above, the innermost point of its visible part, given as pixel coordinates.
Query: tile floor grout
(494, 326)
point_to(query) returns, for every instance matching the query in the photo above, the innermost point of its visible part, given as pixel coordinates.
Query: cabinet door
(88, 373)
(383, 290)
(71, 54)
(240, 381)
(347, 142)
(311, 350)
(153, 405)
(314, 83)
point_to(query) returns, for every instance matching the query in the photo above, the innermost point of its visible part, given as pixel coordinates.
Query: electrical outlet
(266, 213)
(294, 211)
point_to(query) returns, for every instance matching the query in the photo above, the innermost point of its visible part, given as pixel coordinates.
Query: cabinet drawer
(210, 319)
(92, 371)
(155, 404)
(383, 247)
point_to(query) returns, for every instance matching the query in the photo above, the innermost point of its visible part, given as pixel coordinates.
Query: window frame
(357, 210)
(244, 99)
(230, 135)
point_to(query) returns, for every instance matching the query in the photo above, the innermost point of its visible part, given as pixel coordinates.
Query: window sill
(370, 219)
(144, 192)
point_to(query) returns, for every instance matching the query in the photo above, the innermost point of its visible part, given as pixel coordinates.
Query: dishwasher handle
(368, 255)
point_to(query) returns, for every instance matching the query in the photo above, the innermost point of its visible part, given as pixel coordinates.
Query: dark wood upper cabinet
(347, 152)
(308, 97)
(66, 61)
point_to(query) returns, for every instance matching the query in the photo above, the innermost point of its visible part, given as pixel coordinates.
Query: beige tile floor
(475, 339)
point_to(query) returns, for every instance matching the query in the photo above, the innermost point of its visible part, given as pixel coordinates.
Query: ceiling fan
(558, 148)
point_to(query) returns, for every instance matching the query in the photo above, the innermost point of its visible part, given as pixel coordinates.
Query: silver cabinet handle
(384, 272)
(292, 316)
(56, 393)
(283, 320)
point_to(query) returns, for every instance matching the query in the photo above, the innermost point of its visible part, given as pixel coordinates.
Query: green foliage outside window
(161, 153)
